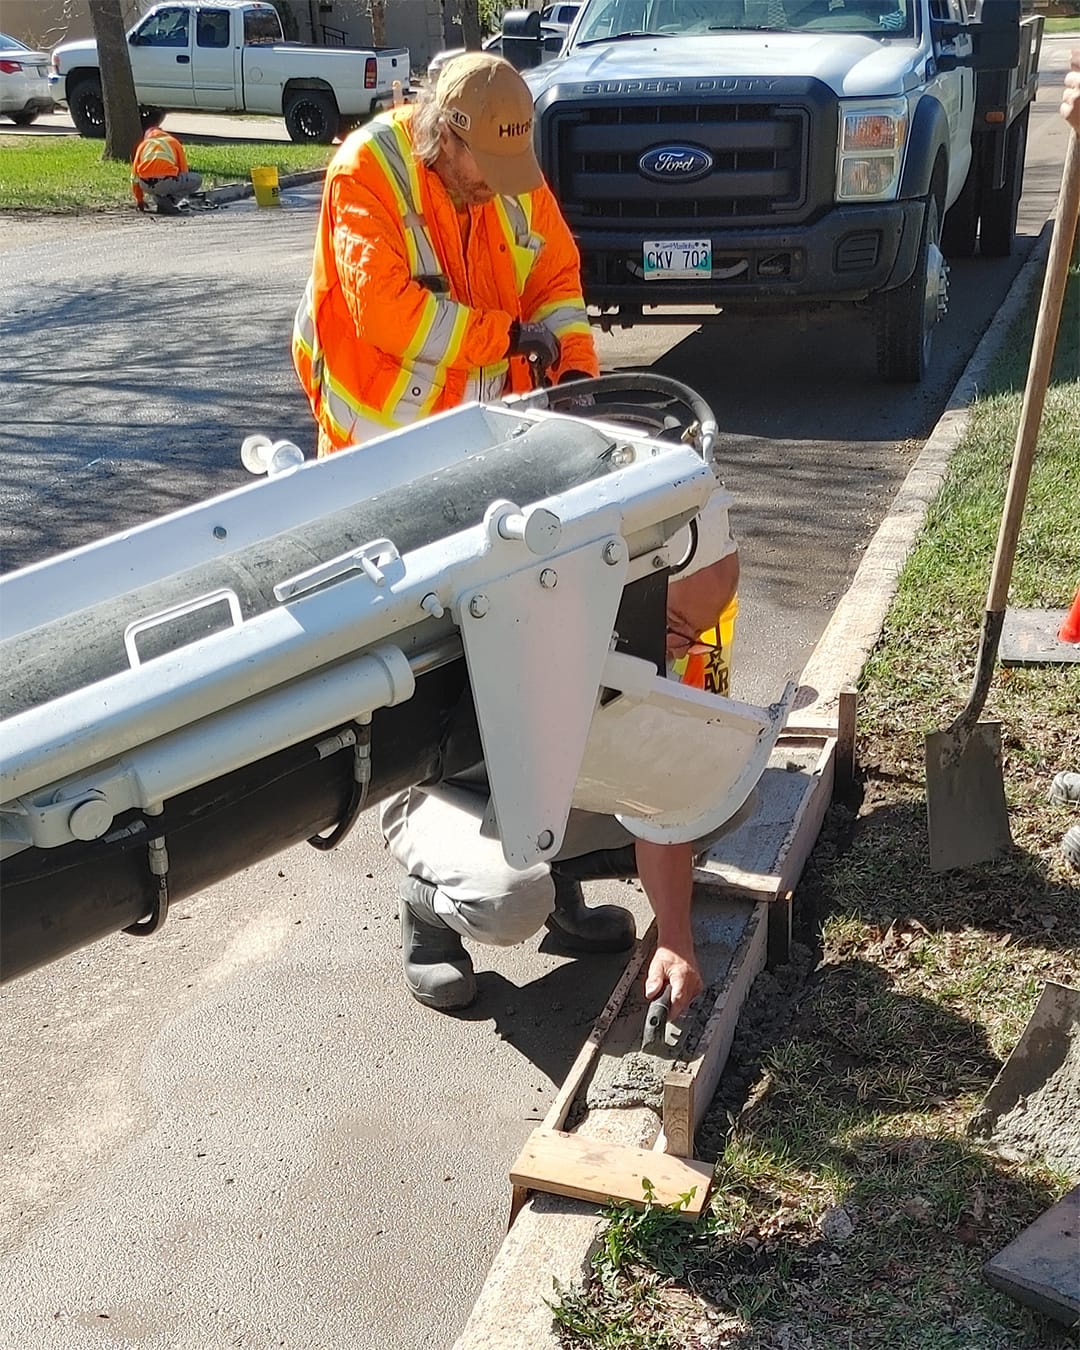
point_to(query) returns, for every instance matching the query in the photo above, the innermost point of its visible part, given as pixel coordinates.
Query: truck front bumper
(849, 253)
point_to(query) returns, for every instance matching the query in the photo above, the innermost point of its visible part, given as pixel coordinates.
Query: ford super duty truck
(719, 156)
(231, 56)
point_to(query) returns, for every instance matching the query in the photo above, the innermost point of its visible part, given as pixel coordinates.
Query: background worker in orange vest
(442, 263)
(160, 168)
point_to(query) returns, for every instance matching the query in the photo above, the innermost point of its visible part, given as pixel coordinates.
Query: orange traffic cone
(1070, 629)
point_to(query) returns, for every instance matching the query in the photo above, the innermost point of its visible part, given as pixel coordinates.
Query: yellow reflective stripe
(408, 375)
(515, 217)
(453, 347)
(393, 179)
(333, 400)
(562, 317)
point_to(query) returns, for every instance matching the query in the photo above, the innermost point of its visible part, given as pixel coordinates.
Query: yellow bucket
(264, 178)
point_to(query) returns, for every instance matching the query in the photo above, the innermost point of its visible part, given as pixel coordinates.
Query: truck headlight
(871, 151)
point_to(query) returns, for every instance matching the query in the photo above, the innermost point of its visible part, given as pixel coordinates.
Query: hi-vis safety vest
(158, 155)
(400, 318)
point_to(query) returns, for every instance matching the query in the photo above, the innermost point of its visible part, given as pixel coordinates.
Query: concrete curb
(235, 192)
(552, 1238)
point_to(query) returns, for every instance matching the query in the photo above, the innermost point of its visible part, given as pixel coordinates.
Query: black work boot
(438, 971)
(579, 928)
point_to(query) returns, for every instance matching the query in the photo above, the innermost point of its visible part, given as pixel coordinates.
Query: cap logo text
(513, 129)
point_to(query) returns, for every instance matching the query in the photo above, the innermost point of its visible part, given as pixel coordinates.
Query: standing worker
(443, 268)
(442, 263)
(160, 168)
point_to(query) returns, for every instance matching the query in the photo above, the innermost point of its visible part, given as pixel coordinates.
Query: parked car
(25, 92)
(231, 56)
(494, 44)
(559, 16)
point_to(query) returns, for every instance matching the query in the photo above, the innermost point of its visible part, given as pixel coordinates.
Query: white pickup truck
(231, 56)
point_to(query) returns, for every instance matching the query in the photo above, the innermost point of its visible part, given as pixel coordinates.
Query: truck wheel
(151, 117)
(999, 207)
(311, 115)
(907, 316)
(962, 219)
(87, 107)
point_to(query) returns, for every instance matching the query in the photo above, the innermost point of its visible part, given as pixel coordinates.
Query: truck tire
(907, 316)
(997, 227)
(151, 117)
(87, 107)
(311, 115)
(962, 219)
(23, 119)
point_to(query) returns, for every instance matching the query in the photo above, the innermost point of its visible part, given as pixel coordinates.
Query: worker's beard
(457, 169)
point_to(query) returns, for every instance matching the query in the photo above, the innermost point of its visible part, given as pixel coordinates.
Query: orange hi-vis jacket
(158, 155)
(401, 318)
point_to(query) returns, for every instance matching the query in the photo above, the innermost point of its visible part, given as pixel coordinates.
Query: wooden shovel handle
(1038, 378)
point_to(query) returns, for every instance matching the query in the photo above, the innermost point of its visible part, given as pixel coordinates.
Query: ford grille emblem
(675, 163)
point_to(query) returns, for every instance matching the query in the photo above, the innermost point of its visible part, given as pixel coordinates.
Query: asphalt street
(242, 1132)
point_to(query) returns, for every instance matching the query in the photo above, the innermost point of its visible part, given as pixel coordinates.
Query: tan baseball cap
(489, 106)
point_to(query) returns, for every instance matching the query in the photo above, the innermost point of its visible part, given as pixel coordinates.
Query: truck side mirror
(997, 35)
(521, 38)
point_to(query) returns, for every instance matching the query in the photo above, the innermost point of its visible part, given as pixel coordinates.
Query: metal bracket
(536, 639)
(379, 561)
(163, 616)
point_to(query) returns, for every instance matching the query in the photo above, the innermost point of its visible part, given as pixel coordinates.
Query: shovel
(966, 814)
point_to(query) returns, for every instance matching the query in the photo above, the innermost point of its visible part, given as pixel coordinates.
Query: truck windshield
(608, 20)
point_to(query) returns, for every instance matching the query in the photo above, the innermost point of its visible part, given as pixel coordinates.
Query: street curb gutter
(553, 1238)
(235, 192)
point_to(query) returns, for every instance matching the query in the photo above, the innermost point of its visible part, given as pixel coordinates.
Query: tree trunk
(378, 23)
(123, 129)
(470, 24)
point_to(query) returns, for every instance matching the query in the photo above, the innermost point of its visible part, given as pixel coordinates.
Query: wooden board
(689, 1088)
(765, 856)
(588, 1169)
(1041, 1268)
(1029, 637)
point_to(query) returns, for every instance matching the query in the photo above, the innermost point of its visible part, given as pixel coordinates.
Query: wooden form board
(764, 859)
(689, 1087)
(590, 1169)
(1042, 1266)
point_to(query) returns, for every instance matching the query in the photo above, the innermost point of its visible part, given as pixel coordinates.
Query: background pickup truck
(743, 155)
(231, 56)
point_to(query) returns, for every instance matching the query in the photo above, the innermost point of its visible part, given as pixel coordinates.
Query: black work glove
(535, 342)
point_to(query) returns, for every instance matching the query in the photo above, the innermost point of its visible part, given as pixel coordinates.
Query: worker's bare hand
(680, 972)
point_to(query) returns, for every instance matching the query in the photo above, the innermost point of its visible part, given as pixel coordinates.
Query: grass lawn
(852, 1211)
(1067, 25)
(67, 174)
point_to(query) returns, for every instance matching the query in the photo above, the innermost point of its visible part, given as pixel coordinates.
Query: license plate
(675, 259)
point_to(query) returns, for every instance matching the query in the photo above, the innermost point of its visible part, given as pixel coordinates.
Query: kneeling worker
(160, 168)
(442, 269)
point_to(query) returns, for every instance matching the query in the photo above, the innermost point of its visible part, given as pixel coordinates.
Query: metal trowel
(654, 1034)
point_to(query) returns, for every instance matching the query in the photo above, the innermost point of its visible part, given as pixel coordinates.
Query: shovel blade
(966, 815)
